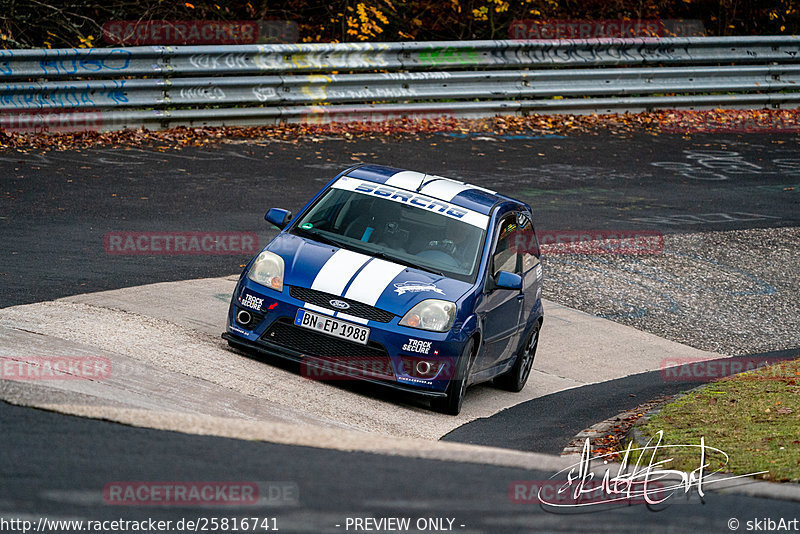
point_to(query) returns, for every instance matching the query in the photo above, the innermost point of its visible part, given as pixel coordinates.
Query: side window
(526, 243)
(506, 257)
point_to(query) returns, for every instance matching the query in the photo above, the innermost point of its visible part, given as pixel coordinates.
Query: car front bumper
(392, 357)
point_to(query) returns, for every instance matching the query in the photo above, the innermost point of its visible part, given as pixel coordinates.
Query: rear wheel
(516, 377)
(458, 384)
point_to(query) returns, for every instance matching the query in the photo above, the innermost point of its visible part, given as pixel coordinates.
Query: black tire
(451, 404)
(515, 378)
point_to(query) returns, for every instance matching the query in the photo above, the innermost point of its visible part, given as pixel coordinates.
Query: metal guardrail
(159, 87)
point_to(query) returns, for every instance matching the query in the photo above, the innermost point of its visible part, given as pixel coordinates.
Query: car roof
(468, 196)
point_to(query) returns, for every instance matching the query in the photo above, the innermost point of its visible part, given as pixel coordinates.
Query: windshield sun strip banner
(424, 202)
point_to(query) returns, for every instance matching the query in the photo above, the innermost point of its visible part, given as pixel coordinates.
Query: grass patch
(754, 417)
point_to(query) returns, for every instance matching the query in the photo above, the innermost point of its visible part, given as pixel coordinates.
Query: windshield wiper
(319, 237)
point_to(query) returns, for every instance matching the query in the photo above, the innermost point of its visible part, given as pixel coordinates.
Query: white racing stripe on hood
(338, 270)
(372, 281)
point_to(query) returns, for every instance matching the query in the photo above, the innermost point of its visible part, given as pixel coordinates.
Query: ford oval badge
(340, 304)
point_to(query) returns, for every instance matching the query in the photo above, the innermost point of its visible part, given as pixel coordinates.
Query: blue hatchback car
(411, 280)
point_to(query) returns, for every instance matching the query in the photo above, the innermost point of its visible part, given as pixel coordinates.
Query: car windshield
(427, 234)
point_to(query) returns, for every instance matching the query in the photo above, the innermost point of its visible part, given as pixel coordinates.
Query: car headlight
(431, 314)
(267, 270)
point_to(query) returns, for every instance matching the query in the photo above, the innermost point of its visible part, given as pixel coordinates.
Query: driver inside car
(456, 243)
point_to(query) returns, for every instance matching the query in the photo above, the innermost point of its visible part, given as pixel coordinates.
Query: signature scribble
(644, 479)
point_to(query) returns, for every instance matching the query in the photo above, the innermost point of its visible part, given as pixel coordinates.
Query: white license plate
(331, 326)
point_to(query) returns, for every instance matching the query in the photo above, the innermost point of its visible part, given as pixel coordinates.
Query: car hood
(386, 285)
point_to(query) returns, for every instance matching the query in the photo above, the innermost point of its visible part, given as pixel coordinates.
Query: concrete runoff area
(166, 354)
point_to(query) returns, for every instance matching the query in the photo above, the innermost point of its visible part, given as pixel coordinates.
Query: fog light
(423, 367)
(243, 317)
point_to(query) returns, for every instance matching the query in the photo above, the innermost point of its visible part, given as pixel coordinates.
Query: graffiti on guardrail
(449, 55)
(467, 93)
(41, 96)
(264, 93)
(229, 61)
(202, 93)
(115, 59)
(416, 75)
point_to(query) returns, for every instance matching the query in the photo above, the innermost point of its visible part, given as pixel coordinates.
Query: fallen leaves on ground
(655, 122)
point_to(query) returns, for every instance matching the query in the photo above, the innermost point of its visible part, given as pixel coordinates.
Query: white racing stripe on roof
(372, 281)
(338, 270)
(410, 180)
(447, 189)
(444, 189)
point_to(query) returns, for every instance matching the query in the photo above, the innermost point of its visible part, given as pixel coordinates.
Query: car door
(500, 309)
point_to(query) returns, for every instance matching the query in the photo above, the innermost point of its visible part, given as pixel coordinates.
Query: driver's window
(505, 257)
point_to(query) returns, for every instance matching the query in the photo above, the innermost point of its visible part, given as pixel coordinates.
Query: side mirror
(507, 280)
(278, 217)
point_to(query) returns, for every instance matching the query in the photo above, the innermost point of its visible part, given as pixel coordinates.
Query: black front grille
(357, 309)
(313, 343)
(331, 353)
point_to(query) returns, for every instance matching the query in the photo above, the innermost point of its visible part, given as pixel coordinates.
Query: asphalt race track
(58, 206)
(57, 466)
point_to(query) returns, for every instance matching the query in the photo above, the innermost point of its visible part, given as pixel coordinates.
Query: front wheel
(516, 377)
(458, 384)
